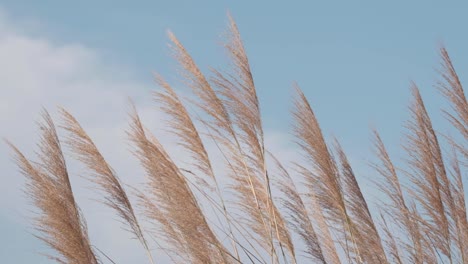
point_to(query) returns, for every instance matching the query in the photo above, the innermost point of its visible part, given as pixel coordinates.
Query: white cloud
(36, 73)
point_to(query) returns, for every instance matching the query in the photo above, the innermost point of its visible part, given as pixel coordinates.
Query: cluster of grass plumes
(264, 217)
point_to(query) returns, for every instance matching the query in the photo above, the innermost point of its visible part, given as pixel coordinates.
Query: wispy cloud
(36, 72)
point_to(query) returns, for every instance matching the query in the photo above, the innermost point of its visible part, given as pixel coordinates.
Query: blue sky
(353, 59)
(363, 51)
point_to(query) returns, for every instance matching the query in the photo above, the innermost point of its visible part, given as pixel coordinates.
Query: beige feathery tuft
(460, 225)
(298, 214)
(325, 183)
(398, 208)
(171, 194)
(104, 176)
(240, 98)
(391, 242)
(210, 103)
(59, 223)
(369, 241)
(452, 89)
(431, 186)
(183, 127)
(316, 214)
(237, 126)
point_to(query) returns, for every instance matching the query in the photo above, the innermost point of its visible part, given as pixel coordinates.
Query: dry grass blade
(210, 102)
(240, 97)
(59, 223)
(252, 201)
(212, 105)
(183, 127)
(325, 181)
(298, 214)
(171, 194)
(391, 241)
(431, 186)
(164, 226)
(262, 216)
(282, 232)
(323, 228)
(369, 241)
(398, 208)
(452, 89)
(402, 211)
(103, 175)
(311, 140)
(460, 215)
(222, 125)
(425, 247)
